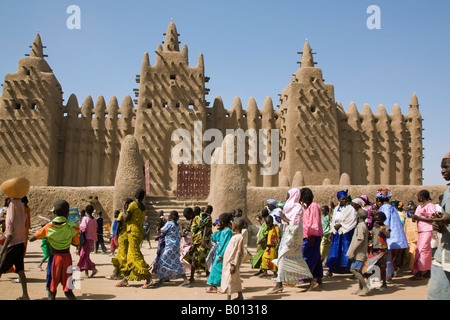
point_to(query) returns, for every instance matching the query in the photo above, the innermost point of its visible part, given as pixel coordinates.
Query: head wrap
(359, 201)
(293, 209)
(272, 202)
(365, 198)
(342, 193)
(384, 194)
(281, 204)
(447, 156)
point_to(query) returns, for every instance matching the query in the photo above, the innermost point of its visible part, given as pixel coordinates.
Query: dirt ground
(338, 287)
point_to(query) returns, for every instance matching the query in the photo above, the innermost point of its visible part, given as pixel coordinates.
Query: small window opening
(173, 77)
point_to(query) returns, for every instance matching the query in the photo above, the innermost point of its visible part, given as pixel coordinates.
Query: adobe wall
(42, 198)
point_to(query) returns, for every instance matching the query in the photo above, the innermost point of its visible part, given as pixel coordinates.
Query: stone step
(168, 204)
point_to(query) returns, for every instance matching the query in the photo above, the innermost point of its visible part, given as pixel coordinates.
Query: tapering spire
(414, 101)
(145, 63)
(171, 42)
(37, 49)
(307, 60)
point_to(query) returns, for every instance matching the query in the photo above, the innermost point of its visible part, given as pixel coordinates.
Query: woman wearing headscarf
(343, 225)
(291, 265)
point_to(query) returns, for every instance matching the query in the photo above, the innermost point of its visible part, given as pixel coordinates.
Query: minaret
(309, 128)
(171, 96)
(171, 42)
(32, 99)
(414, 127)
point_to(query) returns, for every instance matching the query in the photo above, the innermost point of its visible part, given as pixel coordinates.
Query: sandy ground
(338, 287)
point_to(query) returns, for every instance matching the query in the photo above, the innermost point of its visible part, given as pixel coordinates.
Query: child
(100, 240)
(261, 245)
(89, 226)
(272, 243)
(46, 250)
(61, 233)
(115, 234)
(232, 259)
(378, 251)
(325, 243)
(411, 234)
(170, 266)
(146, 226)
(161, 243)
(201, 227)
(13, 250)
(222, 237)
(186, 235)
(358, 251)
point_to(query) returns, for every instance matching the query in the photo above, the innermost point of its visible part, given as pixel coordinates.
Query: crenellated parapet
(381, 148)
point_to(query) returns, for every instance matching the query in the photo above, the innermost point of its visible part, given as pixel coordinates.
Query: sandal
(112, 277)
(148, 285)
(122, 284)
(211, 290)
(276, 290)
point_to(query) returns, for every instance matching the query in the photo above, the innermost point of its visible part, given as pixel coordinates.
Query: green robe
(257, 258)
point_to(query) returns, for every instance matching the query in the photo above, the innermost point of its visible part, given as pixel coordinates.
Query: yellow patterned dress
(120, 261)
(133, 266)
(271, 252)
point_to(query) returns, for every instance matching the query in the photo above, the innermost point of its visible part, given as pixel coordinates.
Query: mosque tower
(171, 96)
(309, 128)
(30, 117)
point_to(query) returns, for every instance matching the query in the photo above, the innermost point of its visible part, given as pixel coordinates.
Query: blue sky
(250, 50)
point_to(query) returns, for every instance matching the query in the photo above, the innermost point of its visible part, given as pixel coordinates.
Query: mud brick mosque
(74, 143)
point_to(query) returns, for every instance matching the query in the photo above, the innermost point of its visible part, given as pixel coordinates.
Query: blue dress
(222, 237)
(170, 266)
(397, 240)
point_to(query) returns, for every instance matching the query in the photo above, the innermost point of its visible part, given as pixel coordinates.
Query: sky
(251, 49)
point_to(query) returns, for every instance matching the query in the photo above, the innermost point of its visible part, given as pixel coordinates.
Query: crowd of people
(298, 241)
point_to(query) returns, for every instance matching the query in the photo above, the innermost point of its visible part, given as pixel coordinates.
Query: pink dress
(89, 227)
(423, 256)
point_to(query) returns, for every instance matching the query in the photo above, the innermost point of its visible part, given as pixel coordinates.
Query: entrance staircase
(168, 204)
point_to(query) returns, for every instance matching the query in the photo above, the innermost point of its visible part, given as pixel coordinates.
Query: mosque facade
(76, 143)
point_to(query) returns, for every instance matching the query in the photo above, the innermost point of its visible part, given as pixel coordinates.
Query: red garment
(61, 271)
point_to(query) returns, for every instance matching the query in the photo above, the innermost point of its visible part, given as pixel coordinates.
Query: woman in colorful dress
(343, 225)
(291, 266)
(423, 255)
(120, 261)
(136, 267)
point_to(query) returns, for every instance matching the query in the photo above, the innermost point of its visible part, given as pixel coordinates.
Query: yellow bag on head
(16, 188)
